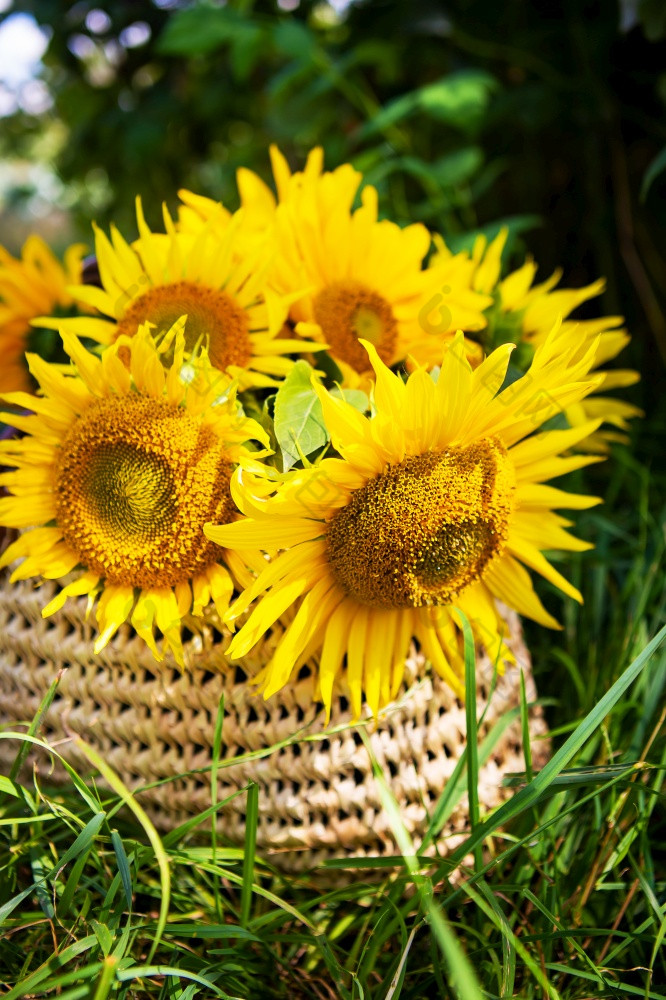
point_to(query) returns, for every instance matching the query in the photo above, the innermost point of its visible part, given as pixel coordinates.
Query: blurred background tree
(466, 115)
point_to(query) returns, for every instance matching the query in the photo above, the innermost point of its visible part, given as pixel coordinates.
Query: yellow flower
(436, 503)
(122, 464)
(197, 211)
(30, 285)
(363, 277)
(524, 313)
(224, 295)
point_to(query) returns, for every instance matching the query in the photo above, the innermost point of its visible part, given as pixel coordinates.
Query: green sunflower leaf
(299, 421)
(354, 397)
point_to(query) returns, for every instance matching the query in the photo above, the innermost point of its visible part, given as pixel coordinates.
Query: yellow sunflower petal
(333, 650)
(113, 609)
(317, 606)
(85, 584)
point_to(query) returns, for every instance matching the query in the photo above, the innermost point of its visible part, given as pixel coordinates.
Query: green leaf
(459, 99)
(514, 223)
(7, 908)
(393, 112)
(448, 171)
(245, 51)
(458, 167)
(299, 421)
(104, 935)
(657, 167)
(294, 39)
(39, 876)
(8, 787)
(72, 884)
(354, 397)
(200, 30)
(327, 365)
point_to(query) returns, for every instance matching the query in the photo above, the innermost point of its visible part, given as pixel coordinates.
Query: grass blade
(119, 788)
(472, 735)
(34, 725)
(123, 866)
(251, 821)
(525, 727)
(105, 984)
(147, 971)
(214, 791)
(82, 843)
(396, 983)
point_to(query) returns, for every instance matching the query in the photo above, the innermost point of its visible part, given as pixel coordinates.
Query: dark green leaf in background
(655, 169)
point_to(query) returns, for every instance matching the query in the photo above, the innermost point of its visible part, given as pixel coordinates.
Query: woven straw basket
(317, 797)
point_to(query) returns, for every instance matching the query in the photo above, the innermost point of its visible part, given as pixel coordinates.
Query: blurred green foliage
(465, 115)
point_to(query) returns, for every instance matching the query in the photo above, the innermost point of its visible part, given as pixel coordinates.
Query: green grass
(564, 892)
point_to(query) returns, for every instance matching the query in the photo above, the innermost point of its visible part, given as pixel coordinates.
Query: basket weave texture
(317, 795)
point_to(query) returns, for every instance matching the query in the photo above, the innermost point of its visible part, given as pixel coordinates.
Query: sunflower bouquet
(300, 415)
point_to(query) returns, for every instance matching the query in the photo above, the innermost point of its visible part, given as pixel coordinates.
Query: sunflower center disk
(425, 529)
(135, 482)
(214, 320)
(347, 311)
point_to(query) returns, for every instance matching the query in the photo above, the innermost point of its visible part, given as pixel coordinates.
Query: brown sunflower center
(348, 311)
(423, 530)
(214, 319)
(135, 482)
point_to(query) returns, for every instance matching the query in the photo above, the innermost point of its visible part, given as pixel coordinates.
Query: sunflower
(121, 464)
(223, 293)
(333, 189)
(524, 312)
(30, 285)
(435, 506)
(196, 211)
(352, 276)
